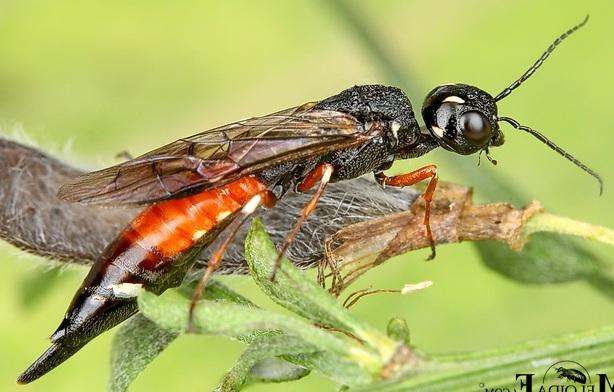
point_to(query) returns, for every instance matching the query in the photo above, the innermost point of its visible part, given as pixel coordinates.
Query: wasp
(207, 185)
(571, 374)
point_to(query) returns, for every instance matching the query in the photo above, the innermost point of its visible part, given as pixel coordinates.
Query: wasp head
(462, 118)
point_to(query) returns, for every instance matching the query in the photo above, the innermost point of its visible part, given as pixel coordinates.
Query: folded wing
(217, 156)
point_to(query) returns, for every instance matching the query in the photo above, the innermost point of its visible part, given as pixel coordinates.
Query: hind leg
(265, 198)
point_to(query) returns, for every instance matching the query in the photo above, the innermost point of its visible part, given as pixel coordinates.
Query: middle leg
(321, 173)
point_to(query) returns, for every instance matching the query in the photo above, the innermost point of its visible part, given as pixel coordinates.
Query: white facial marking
(368, 125)
(454, 98)
(126, 290)
(222, 215)
(198, 234)
(394, 127)
(251, 205)
(437, 131)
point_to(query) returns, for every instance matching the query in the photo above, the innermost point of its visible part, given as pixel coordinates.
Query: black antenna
(556, 148)
(539, 61)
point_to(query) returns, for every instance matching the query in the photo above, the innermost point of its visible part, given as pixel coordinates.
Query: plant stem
(498, 368)
(561, 225)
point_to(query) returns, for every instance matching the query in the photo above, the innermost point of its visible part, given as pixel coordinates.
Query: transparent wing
(217, 156)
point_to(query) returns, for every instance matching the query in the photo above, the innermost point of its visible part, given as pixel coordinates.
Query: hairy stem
(562, 225)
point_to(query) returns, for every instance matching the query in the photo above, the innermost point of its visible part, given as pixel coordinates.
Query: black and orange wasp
(200, 186)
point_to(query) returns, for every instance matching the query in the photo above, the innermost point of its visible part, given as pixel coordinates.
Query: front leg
(412, 178)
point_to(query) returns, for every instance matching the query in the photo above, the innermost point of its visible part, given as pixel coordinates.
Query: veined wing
(217, 156)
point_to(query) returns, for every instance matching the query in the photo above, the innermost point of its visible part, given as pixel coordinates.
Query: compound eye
(475, 128)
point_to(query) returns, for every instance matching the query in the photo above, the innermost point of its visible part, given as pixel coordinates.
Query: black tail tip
(50, 359)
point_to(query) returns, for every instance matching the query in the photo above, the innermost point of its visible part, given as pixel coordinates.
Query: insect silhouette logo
(571, 375)
(568, 372)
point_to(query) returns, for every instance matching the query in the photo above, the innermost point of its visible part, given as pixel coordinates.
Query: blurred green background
(111, 76)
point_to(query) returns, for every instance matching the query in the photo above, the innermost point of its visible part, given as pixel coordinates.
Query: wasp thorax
(462, 118)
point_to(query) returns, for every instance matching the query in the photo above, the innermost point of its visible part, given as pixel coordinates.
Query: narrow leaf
(398, 330)
(219, 318)
(259, 362)
(294, 359)
(545, 259)
(301, 295)
(277, 370)
(343, 371)
(216, 291)
(137, 342)
(259, 356)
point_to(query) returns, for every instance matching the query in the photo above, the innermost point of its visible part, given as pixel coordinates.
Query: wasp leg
(423, 173)
(266, 198)
(321, 173)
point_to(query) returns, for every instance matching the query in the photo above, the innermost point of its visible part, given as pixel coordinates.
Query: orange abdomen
(154, 252)
(167, 229)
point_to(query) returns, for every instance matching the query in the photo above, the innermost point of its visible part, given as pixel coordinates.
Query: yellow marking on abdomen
(198, 234)
(222, 215)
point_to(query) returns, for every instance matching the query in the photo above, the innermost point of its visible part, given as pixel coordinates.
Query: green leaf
(216, 291)
(343, 371)
(259, 363)
(259, 356)
(277, 370)
(137, 342)
(545, 259)
(301, 295)
(219, 318)
(398, 330)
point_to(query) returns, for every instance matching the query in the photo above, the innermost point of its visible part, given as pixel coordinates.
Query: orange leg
(266, 198)
(321, 173)
(426, 172)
